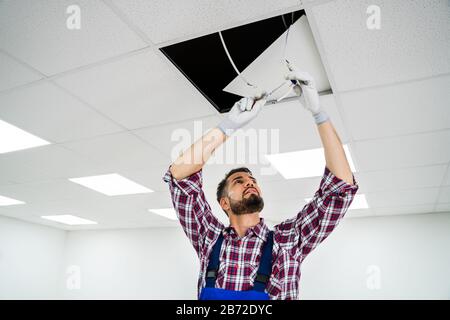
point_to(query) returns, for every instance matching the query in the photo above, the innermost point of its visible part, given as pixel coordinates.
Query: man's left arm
(321, 215)
(335, 158)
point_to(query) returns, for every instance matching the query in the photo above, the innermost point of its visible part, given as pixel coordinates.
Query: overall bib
(209, 292)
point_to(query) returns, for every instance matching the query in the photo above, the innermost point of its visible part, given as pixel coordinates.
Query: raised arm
(194, 158)
(318, 218)
(185, 176)
(335, 158)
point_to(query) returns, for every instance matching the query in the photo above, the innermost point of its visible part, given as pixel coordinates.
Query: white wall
(31, 258)
(411, 252)
(156, 263)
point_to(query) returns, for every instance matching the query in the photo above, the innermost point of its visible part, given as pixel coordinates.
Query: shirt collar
(260, 230)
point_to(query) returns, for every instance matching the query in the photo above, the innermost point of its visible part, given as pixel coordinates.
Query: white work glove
(243, 111)
(310, 98)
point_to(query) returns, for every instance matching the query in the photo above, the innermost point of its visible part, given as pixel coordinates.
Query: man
(246, 260)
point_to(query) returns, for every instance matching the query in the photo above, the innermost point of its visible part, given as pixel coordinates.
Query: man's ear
(225, 203)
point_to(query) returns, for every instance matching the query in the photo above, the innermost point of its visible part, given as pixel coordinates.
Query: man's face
(243, 194)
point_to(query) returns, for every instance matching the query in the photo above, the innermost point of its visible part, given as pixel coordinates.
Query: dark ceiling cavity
(204, 62)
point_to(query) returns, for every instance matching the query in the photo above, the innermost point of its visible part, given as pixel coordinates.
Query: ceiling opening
(258, 51)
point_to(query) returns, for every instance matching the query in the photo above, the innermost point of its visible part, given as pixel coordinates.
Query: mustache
(251, 188)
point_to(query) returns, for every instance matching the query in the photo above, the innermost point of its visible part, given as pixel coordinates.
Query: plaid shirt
(294, 238)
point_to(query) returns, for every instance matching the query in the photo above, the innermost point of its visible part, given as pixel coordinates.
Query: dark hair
(223, 184)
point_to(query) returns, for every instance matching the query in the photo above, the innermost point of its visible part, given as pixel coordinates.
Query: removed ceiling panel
(256, 50)
(268, 70)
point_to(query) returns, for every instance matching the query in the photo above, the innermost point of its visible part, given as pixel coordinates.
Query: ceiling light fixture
(111, 184)
(14, 138)
(304, 163)
(69, 219)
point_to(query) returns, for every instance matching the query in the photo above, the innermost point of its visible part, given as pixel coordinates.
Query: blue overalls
(209, 292)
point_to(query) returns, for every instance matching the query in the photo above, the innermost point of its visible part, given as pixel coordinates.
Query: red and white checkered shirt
(293, 239)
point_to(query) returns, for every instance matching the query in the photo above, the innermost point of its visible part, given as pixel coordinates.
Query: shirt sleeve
(193, 211)
(319, 217)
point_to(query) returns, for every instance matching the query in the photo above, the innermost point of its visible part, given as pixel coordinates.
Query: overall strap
(213, 265)
(265, 265)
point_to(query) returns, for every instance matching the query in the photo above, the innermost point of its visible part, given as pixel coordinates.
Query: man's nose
(250, 183)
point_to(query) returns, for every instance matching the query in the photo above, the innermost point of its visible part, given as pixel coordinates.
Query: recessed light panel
(69, 219)
(304, 163)
(111, 184)
(5, 201)
(14, 138)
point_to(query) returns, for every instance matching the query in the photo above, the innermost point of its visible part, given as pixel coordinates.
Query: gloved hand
(243, 111)
(310, 97)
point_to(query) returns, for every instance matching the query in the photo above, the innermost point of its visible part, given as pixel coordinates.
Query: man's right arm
(185, 175)
(194, 158)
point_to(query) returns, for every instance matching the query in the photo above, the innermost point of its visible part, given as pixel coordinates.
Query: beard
(252, 204)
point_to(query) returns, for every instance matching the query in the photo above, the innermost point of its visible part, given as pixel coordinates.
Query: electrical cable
(284, 61)
(232, 63)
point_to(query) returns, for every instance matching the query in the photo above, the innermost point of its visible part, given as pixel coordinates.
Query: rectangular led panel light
(304, 163)
(359, 202)
(5, 201)
(13, 138)
(69, 219)
(206, 64)
(268, 71)
(168, 213)
(111, 184)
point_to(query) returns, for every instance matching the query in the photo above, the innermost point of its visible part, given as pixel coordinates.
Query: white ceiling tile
(35, 31)
(175, 138)
(51, 114)
(44, 163)
(404, 210)
(14, 74)
(116, 152)
(359, 213)
(413, 41)
(444, 195)
(403, 151)
(406, 178)
(282, 210)
(398, 198)
(151, 176)
(49, 192)
(401, 109)
(290, 189)
(443, 207)
(163, 20)
(4, 182)
(109, 212)
(447, 177)
(290, 127)
(138, 91)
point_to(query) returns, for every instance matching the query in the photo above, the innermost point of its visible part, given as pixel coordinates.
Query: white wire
(291, 87)
(232, 63)
(245, 80)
